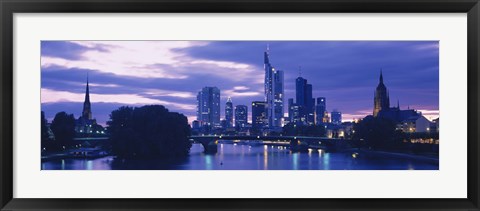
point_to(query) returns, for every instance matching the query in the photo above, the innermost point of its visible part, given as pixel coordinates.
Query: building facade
(320, 110)
(274, 93)
(229, 113)
(336, 117)
(208, 106)
(241, 116)
(303, 93)
(259, 115)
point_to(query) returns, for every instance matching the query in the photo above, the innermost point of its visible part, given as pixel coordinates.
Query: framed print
(239, 105)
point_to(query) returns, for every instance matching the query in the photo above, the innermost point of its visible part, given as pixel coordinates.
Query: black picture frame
(10, 7)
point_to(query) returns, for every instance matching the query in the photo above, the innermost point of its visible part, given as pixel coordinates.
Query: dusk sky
(171, 73)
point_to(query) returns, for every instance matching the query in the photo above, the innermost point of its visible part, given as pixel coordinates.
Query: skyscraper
(273, 93)
(259, 115)
(303, 92)
(381, 98)
(241, 116)
(336, 117)
(278, 111)
(208, 106)
(87, 109)
(229, 112)
(294, 111)
(320, 109)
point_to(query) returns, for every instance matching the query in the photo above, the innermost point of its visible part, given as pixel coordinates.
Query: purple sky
(171, 73)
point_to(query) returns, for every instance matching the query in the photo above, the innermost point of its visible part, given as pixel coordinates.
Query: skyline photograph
(240, 105)
(172, 72)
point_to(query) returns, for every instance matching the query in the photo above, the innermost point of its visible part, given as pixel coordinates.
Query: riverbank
(81, 153)
(386, 154)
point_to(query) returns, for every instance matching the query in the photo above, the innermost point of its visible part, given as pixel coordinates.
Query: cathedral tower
(381, 98)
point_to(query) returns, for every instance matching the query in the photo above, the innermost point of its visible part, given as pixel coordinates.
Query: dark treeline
(304, 130)
(148, 131)
(63, 129)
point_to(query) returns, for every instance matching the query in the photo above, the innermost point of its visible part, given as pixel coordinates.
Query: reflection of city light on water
(295, 161)
(63, 164)
(265, 157)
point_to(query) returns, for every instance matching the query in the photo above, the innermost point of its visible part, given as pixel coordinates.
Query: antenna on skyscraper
(268, 47)
(299, 71)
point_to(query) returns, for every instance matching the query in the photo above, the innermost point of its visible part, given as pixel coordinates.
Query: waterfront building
(320, 110)
(208, 106)
(414, 124)
(336, 117)
(274, 95)
(229, 113)
(241, 116)
(259, 116)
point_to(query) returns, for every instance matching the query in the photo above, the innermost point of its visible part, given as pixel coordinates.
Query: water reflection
(244, 157)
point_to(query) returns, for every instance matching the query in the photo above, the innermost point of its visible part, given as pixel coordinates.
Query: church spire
(87, 110)
(87, 92)
(381, 76)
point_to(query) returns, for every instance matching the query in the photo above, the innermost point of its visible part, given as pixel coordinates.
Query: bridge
(296, 143)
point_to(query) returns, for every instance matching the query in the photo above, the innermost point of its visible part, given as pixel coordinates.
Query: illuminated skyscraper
(273, 93)
(303, 92)
(336, 117)
(229, 112)
(259, 115)
(241, 116)
(208, 106)
(320, 109)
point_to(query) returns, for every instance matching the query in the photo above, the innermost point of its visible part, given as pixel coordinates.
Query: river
(248, 157)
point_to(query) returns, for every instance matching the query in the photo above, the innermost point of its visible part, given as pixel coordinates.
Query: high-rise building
(273, 93)
(381, 98)
(290, 110)
(241, 116)
(303, 92)
(336, 117)
(278, 111)
(229, 113)
(259, 115)
(294, 112)
(208, 106)
(320, 109)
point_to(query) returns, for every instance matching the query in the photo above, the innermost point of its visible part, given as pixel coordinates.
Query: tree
(148, 131)
(44, 128)
(63, 127)
(377, 132)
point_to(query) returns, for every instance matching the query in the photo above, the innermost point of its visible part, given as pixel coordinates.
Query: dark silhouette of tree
(44, 128)
(63, 127)
(304, 130)
(377, 133)
(148, 131)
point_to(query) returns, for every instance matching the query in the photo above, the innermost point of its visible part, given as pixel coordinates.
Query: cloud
(52, 96)
(345, 72)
